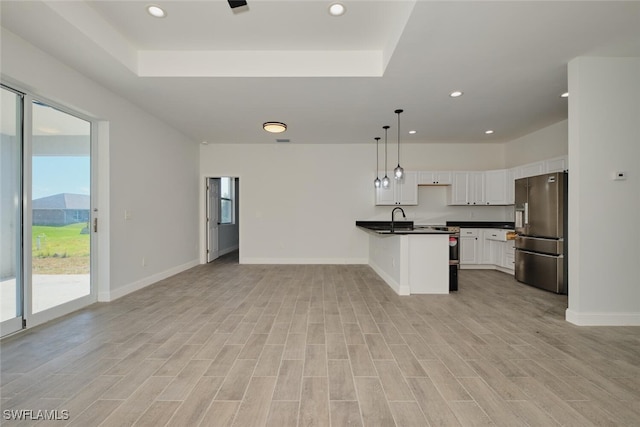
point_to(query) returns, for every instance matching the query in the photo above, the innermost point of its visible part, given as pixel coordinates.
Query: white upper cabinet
(495, 187)
(559, 164)
(481, 188)
(434, 178)
(511, 186)
(459, 188)
(403, 192)
(532, 169)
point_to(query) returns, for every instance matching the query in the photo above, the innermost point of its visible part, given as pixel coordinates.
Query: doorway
(48, 234)
(222, 214)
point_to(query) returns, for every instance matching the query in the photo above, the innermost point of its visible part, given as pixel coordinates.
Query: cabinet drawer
(469, 232)
(496, 234)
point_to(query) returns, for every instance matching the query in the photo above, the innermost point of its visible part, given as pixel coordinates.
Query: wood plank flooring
(323, 345)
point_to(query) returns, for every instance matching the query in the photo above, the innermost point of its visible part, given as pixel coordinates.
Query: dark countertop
(400, 228)
(506, 225)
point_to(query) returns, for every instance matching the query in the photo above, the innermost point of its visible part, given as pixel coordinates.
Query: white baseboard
(602, 319)
(143, 283)
(397, 288)
(326, 261)
(486, 267)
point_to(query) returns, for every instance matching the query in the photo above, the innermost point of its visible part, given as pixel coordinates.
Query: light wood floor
(255, 345)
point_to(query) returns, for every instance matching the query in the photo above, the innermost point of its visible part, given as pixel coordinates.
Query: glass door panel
(10, 212)
(60, 208)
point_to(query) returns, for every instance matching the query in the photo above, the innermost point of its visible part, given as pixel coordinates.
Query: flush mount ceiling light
(385, 181)
(236, 3)
(337, 9)
(274, 127)
(377, 182)
(156, 11)
(398, 172)
(456, 94)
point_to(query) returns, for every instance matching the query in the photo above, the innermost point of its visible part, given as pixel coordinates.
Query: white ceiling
(217, 75)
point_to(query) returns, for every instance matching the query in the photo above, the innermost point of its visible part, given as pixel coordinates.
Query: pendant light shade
(398, 172)
(385, 181)
(377, 183)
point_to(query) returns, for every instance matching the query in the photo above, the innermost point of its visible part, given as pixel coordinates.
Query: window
(226, 200)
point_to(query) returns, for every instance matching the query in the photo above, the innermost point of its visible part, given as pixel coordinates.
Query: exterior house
(61, 209)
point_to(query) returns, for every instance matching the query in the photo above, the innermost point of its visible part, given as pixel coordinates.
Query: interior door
(10, 212)
(213, 217)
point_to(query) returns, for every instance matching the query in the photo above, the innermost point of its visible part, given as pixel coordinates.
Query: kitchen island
(411, 260)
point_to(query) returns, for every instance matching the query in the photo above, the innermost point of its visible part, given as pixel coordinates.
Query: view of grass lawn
(61, 250)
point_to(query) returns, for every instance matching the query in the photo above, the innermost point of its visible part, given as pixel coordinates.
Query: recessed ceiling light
(156, 11)
(565, 95)
(488, 132)
(413, 132)
(456, 93)
(274, 127)
(337, 9)
(204, 142)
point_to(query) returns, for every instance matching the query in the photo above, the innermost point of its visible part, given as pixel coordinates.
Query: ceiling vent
(283, 140)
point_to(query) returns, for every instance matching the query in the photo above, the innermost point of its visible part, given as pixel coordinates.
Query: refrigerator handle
(526, 213)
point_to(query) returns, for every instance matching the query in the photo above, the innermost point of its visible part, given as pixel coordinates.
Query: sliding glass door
(10, 212)
(60, 208)
(47, 230)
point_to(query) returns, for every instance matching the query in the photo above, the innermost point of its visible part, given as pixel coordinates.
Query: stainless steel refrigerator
(541, 224)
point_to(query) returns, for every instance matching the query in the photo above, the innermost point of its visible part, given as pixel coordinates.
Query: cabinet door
(475, 188)
(468, 250)
(508, 260)
(426, 178)
(556, 165)
(470, 246)
(434, 178)
(511, 186)
(407, 189)
(497, 252)
(495, 187)
(458, 190)
(487, 249)
(442, 178)
(532, 169)
(386, 196)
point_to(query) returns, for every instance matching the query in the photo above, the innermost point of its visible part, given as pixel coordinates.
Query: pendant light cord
(386, 128)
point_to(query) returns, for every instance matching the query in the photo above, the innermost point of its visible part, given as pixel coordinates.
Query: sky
(60, 174)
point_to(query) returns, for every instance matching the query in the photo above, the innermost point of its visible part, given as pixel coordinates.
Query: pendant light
(385, 181)
(398, 171)
(377, 183)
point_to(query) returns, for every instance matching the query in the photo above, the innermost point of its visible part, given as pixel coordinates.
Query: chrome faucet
(393, 220)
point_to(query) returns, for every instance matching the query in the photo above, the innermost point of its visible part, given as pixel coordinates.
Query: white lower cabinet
(486, 248)
(470, 248)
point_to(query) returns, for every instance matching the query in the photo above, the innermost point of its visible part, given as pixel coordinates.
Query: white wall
(299, 203)
(546, 143)
(152, 172)
(604, 231)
